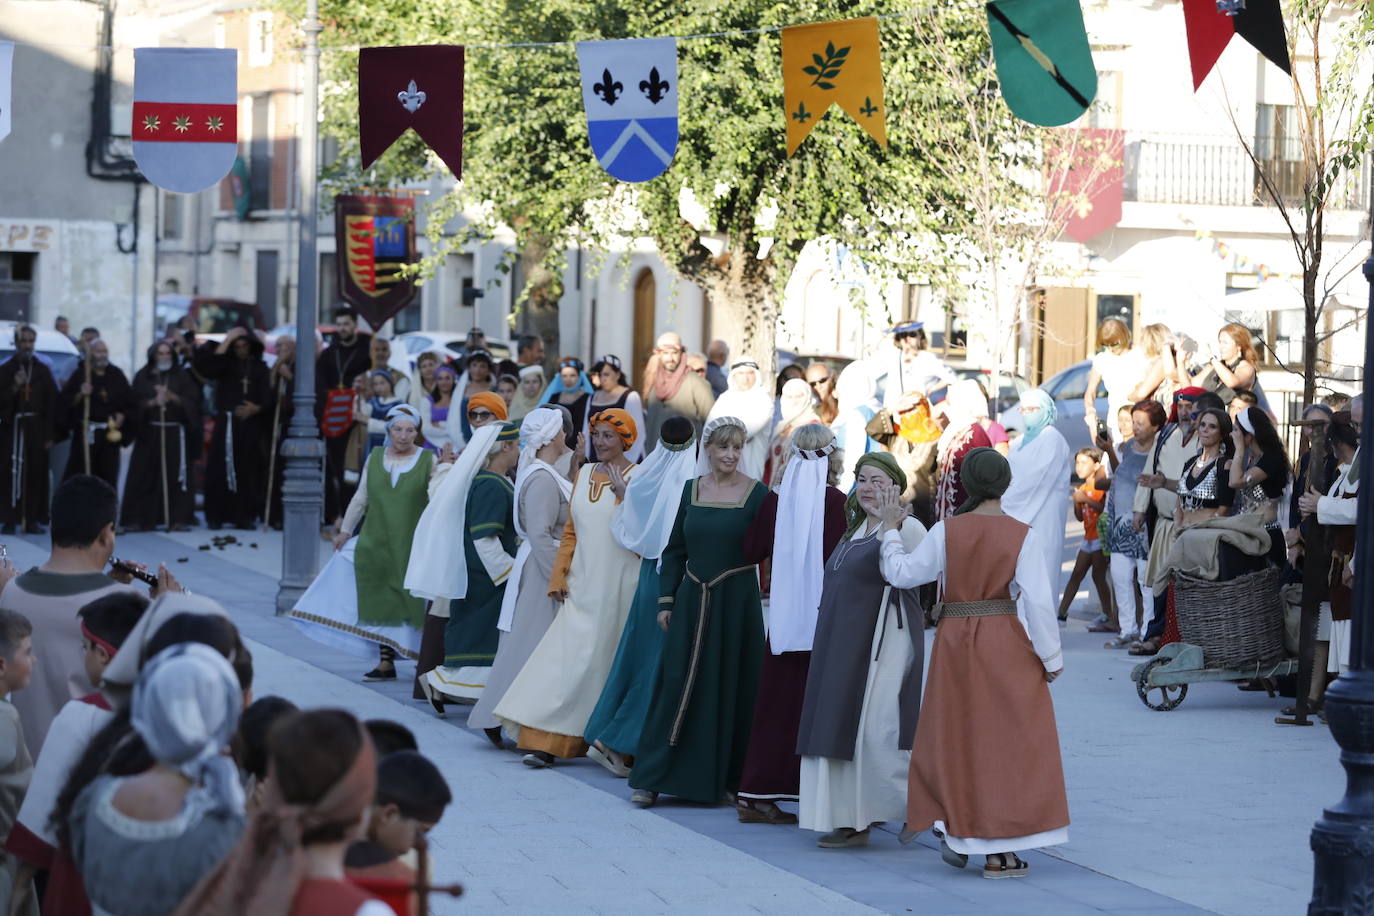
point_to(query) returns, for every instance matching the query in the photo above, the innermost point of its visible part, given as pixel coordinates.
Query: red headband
(107, 646)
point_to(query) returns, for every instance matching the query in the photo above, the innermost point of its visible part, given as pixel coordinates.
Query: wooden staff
(86, 417)
(162, 454)
(22, 467)
(1316, 565)
(272, 455)
(422, 886)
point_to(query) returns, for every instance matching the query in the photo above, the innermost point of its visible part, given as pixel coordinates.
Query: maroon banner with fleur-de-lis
(417, 88)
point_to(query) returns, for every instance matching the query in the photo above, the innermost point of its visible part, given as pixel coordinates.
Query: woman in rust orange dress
(985, 765)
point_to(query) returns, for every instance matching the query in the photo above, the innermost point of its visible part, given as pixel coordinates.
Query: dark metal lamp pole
(1343, 840)
(302, 489)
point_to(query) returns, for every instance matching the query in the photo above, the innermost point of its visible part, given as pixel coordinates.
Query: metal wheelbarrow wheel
(1169, 695)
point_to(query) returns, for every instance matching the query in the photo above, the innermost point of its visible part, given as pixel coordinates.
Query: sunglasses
(475, 416)
(819, 381)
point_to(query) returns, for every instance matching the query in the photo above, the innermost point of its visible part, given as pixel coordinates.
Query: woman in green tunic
(697, 731)
(394, 490)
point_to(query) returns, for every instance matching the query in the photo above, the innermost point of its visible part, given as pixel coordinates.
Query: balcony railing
(1217, 170)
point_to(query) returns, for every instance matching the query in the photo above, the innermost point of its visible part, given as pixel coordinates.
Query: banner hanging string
(909, 14)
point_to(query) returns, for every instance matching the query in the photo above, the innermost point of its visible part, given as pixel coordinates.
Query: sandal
(772, 814)
(1314, 707)
(609, 759)
(1121, 642)
(843, 838)
(643, 798)
(950, 857)
(1148, 647)
(1103, 628)
(1009, 865)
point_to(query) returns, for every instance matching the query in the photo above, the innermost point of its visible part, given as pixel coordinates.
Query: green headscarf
(884, 462)
(985, 474)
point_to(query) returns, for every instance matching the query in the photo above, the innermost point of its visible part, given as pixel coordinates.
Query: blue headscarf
(556, 386)
(1036, 397)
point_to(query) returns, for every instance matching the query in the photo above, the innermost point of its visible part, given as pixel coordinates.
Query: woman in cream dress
(550, 701)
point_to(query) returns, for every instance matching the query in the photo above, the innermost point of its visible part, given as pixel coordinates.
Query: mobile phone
(1102, 431)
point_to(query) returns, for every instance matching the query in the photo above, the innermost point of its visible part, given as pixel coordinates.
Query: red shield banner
(185, 117)
(375, 238)
(338, 412)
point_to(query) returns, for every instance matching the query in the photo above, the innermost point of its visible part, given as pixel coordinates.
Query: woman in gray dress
(541, 511)
(863, 691)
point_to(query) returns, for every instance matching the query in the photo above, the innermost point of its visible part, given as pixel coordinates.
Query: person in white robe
(1041, 470)
(747, 398)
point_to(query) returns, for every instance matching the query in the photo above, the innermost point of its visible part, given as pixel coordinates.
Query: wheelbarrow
(1179, 664)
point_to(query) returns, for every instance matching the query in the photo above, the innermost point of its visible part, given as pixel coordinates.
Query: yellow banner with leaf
(829, 63)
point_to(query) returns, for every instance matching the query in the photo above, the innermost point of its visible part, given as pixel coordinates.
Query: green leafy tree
(528, 164)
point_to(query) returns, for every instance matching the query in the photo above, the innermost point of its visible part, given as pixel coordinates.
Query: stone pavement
(1203, 809)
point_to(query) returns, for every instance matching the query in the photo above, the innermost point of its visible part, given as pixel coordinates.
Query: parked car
(325, 331)
(1009, 387)
(1067, 388)
(834, 361)
(406, 348)
(210, 315)
(51, 348)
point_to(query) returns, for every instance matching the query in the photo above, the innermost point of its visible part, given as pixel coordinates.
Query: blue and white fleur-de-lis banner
(629, 90)
(6, 60)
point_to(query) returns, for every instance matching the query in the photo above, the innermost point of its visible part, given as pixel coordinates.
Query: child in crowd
(1088, 501)
(388, 737)
(411, 797)
(249, 746)
(16, 766)
(105, 623)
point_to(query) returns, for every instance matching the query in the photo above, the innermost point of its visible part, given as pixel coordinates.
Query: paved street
(1203, 809)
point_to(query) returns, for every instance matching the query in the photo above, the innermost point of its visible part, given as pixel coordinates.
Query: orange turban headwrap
(491, 401)
(618, 420)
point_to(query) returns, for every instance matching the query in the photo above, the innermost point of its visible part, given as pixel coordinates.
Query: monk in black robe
(236, 466)
(28, 408)
(111, 403)
(283, 378)
(339, 364)
(166, 418)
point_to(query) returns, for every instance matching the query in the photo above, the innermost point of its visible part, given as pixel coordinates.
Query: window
(266, 285)
(171, 215)
(1105, 111)
(328, 279)
(1116, 306)
(16, 285)
(260, 155)
(1278, 147)
(260, 40)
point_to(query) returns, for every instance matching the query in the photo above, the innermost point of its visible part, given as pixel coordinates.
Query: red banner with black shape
(1212, 23)
(374, 239)
(417, 88)
(1085, 170)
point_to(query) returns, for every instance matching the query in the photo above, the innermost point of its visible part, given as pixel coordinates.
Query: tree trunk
(542, 290)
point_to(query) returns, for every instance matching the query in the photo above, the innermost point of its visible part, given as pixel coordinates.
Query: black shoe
(494, 736)
(435, 698)
(538, 760)
(381, 674)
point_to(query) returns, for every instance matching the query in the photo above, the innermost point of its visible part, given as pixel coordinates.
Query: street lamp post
(302, 489)
(1343, 840)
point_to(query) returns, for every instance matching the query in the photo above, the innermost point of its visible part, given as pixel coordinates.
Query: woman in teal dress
(696, 732)
(642, 524)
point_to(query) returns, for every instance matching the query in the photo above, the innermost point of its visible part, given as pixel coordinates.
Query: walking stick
(1316, 562)
(272, 456)
(162, 453)
(86, 418)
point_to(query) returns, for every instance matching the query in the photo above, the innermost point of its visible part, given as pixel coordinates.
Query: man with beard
(237, 464)
(28, 407)
(166, 419)
(283, 387)
(95, 449)
(340, 363)
(671, 390)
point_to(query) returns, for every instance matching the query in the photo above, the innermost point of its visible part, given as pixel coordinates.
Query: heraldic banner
(417, 88)
(629, 91)
(375, 238)
(1044, 63)
(829, 63)
(185, 117)
(1211, 24)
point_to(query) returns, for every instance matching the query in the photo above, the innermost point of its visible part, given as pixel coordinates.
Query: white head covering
(438, 565)
(402, 412)
(855, 387)
(798, 563)
(540, 427)
(795, 405)
(703, 462)
(754, 406)
(186, 707)
(124, 668)
(644, 519)
(964, 404)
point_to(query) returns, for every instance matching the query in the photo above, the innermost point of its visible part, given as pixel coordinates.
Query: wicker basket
(1238, 623)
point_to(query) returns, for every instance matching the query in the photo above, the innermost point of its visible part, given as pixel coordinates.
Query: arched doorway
(646, 295)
